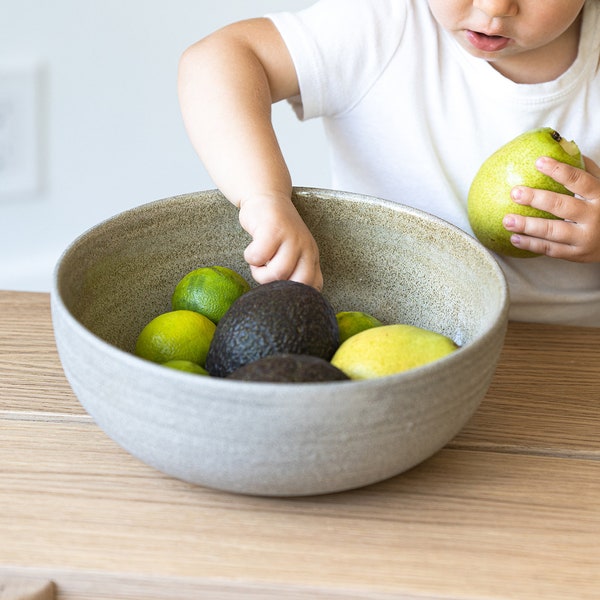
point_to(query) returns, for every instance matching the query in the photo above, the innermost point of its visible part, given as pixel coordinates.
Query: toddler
(414, 95)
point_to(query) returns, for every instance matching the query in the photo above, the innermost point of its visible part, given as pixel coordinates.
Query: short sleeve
(339, 48)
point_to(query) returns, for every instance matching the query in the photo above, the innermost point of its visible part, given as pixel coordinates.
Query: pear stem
(556, 136)
(570, 147)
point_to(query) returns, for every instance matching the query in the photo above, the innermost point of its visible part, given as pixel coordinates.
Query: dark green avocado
(289, 368)
(281, 317)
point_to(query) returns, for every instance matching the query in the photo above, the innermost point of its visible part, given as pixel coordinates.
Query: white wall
(109, 123)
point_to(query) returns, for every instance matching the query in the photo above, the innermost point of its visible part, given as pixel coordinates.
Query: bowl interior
(397, 263)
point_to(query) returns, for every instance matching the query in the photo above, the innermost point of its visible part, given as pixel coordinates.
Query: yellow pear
(389, 349)
(514, 164)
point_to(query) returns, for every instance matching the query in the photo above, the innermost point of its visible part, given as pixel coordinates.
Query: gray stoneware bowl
(278, 439)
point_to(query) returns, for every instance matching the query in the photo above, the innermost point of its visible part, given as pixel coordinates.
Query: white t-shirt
(410, 116)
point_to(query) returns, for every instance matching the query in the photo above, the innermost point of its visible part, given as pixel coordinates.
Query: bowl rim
(499, 324)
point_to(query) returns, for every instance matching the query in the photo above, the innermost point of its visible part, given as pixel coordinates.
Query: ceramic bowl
(279, 439)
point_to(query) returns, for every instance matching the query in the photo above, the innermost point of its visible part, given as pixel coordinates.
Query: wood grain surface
(510, 509)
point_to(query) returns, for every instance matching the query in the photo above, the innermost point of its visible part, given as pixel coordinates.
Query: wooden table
(509, 509)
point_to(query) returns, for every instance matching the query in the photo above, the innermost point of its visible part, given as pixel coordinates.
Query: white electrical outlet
(19, 128)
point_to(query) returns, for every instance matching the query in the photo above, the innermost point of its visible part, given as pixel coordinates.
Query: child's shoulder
(343, 10)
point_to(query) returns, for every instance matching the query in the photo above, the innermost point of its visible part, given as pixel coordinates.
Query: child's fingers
(551, 237)
(591, 167)
(298, 263)
(559, 205)
(583, 183)
(303, 272)
(258, 254)
(542, 246)
(308, 271)
(272, 263)
(524, 243)
(551, 230)
(281, 265)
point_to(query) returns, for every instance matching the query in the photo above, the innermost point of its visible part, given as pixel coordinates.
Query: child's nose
(497, 8)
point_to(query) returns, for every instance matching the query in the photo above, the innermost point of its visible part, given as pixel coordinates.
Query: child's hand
(282, 247)
(577, 237)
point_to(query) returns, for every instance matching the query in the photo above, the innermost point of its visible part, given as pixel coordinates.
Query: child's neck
(543, 64)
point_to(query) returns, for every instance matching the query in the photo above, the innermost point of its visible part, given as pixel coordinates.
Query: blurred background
(90, 123)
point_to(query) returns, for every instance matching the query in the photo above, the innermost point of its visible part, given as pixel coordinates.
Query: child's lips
(487, 43)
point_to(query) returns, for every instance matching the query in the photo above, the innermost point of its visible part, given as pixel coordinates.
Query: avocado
(290, 368)
(280, 317)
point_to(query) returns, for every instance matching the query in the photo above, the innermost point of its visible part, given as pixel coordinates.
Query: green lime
(209, 291)
(186, 365)
(351, 322)
(176, 335)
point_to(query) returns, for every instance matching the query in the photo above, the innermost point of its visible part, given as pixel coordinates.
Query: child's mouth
(487, 43)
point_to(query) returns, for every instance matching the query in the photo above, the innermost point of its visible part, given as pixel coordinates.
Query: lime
(209, 291)
(186, 365)
(351, 322)
(390, 349)
(176, 335)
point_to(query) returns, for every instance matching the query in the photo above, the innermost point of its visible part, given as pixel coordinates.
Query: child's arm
(577, 238)
(227, 83)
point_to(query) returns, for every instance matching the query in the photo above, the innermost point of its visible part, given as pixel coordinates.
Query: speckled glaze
(276, 439)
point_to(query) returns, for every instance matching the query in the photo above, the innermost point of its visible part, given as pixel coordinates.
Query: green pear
(514, 164)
